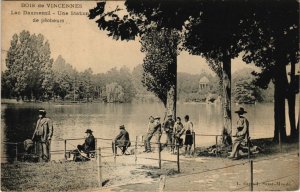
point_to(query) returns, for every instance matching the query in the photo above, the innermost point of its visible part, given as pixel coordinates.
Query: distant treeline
(32, 75)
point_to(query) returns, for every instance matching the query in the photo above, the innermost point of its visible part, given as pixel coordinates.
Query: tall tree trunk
(172, 93)
(279, 104)
(172, 69)
(292, 101)
(227, 118)
(171, 102)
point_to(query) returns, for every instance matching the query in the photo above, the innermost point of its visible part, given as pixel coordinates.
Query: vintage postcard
(140, 95)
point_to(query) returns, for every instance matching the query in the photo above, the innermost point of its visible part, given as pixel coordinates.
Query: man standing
(150, 124)
(154, 129)
(42, 136)
(242, 133)
(122, 140)
(89, 143)
(168, 128)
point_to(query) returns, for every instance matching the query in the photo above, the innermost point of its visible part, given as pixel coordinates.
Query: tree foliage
(271, 42)
(160, 72)
(244, 88)
(28, 62)
(114, 93)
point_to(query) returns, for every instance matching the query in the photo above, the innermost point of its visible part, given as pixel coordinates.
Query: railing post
(99, 168)
(159, 155)
(178, 163)
(251, 176)
(35, 148)
(173, 142)
(194, 142)
(280, 144)
(248, 148)
(16, 151)
(162, 183)
(115, 151)
(96, 147)
(217, 145)
(65, 150)
(135, 150)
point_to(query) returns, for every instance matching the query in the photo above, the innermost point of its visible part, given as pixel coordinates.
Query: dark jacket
(43, 130)
(169, 125)
(89, 143)
(123, 137)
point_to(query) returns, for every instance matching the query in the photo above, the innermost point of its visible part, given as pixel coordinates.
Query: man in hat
(122, 140)
(168, 128)
(89, 143)
(154, 129)
(42, 136)
(241, 134)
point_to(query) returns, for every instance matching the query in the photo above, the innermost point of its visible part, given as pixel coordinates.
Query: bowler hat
(122, 127)
(157, 117)
(42, 112)
(241, 111)
(88, 131)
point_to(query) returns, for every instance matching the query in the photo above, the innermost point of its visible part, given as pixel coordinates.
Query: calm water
(71, 121)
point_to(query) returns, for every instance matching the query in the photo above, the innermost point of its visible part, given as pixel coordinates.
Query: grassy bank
(266, 145)
(76, 176)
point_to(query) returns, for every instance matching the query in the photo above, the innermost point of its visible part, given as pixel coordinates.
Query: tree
(271, 42)
(244, 88)
(86, 86)
(28, 60)
(114, 93)
(292, 91)
(6, 85)
(143, 17)
(216, 35)
(64, 78)
(123, 78)
(160, 73)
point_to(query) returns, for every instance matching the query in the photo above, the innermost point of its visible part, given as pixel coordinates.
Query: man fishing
(88, 146)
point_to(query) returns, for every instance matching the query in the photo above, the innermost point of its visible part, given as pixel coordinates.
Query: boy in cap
(42, 136)
(241, 134)
(89, 144)
(121, 140)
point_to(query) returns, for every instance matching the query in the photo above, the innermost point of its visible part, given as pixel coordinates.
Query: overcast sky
(82, 44)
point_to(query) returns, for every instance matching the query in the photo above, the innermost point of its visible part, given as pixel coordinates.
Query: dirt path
(275, 172)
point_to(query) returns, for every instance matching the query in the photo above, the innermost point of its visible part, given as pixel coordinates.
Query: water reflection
(71, 121)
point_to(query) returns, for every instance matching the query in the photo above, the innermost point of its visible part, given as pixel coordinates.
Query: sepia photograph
(150, 95)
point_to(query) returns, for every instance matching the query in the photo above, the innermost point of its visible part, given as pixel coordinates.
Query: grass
(54, 176)
(79, 176)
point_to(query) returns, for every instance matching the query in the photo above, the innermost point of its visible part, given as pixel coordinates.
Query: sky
(80, 42)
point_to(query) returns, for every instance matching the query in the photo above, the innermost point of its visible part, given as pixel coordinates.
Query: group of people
(174, 131)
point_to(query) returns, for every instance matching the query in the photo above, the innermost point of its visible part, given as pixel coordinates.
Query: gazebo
(203, 83)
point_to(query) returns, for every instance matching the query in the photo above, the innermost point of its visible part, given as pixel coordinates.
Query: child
(179, 130)
(188, 126)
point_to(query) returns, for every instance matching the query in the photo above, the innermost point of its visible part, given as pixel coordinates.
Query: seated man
(242, 133)
(88, 146)
(122, 140)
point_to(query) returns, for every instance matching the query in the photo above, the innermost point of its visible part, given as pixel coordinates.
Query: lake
(71, 121)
